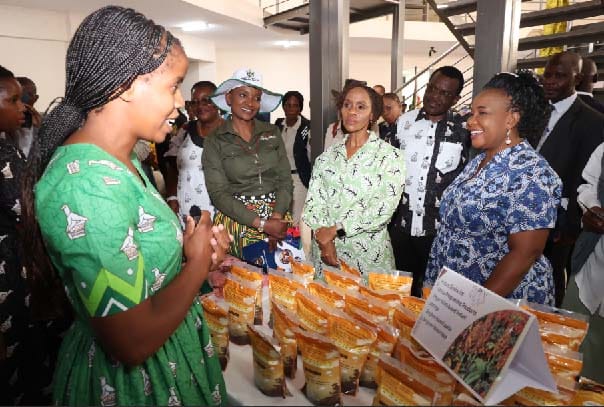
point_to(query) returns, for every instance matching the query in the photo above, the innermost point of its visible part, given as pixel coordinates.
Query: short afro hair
(295, 94)
(453, 73)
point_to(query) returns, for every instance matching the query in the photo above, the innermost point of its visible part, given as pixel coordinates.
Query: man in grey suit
(573, 133)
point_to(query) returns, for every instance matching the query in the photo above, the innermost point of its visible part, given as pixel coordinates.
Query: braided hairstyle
(109, 50)
(527, 98)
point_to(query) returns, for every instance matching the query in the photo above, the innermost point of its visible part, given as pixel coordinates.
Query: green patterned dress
(115, 242)
(362, 192)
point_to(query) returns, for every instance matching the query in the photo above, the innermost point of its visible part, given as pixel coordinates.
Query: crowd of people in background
(92, 236)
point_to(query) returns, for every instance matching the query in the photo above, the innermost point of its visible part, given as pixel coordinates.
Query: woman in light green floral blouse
(355, 187)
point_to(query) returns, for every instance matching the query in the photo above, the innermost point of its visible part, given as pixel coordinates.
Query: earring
(508, 140)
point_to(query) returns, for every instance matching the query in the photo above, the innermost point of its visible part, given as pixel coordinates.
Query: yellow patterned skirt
(263, 206)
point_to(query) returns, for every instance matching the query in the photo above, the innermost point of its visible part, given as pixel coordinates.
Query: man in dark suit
(585, 88)
(573, 133)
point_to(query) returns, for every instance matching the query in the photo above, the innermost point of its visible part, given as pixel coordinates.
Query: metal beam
(529, 63)
(575, 11)
(300, 11)
(497, 31)
(582, 34)
(398, 48)
(328, 43)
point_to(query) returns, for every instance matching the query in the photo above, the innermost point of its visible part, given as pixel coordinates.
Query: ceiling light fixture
(287, 44)
(195, 26)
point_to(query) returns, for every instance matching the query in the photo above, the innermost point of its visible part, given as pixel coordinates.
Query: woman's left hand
(325, 235)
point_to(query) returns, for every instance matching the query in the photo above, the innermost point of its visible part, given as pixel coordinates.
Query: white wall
(288, 69)
(34, 44)
(38, 41)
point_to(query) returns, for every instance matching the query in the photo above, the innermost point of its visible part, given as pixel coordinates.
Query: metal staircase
(586, 35)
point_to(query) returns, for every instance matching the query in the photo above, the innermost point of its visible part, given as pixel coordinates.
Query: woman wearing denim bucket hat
(246, 167)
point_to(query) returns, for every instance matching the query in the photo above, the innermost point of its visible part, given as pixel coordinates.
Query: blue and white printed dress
(516, 191)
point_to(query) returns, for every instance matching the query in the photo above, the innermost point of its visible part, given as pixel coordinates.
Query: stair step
(455, 8)
(539, 62)
(585, 33)
(575, 11)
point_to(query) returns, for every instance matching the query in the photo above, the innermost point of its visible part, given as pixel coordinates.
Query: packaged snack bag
(240, 295)
(283, 287)
(380, 310)
(403, 319)
(321, 364)
(216, 312)
(353, 340)
(416, 305)
(312, 313)
(563, 363)
(590, 393)
(401, 385)
(303, 269)
(284, 323)
(340, 279)
(268, 365)
(394, 280)
(416, 357)
(390, 297)
(558, 326)
(534, 397)
(387, 337)
(346, 268)
(329, 295)
(465, 399)
(252, 274)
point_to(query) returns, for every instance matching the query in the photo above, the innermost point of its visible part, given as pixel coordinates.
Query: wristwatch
(340, 230)
(261, 226)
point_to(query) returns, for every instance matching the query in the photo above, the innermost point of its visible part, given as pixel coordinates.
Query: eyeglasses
(201, 102)
(445, 93)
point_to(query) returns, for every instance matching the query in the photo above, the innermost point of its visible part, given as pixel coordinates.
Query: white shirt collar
(580, 92)
(563, 105)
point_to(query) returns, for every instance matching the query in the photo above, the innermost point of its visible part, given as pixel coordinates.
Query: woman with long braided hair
(139, 336)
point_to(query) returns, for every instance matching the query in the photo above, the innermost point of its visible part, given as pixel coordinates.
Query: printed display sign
(489, 344)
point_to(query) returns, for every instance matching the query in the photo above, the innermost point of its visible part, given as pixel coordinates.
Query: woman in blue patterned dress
(497, 213)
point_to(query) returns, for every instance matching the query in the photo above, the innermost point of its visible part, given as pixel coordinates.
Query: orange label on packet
(353, 340)
(381, 310)
(326, 294)
(283, 328)
(383, 281)
(341, 280)
(346, 268)
(417, 358)
(268, 366)
(241, 300)
(254, 276)
(217, 318)
(304, 270)
(283, 288)
(414, 304)
(311, 313)
(321, 362)
(424, 391)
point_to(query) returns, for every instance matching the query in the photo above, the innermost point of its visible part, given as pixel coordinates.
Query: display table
(239, 379)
